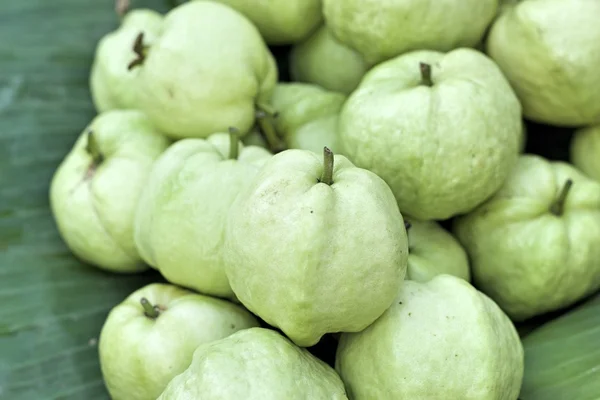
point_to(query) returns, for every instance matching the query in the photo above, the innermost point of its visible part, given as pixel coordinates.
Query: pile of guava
(370, 191)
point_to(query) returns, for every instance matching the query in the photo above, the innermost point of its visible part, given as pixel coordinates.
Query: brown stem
(267, 127)
(425, 74)
(234, 135)
(558, 207)
(140, 50)
(121, 7)
(93, 150)
(327, 176)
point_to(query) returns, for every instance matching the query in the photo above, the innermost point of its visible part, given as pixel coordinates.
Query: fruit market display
(376, 196)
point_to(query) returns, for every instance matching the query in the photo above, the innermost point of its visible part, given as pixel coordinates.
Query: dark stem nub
(234, 135)
(407, 225)
(267, 128)
(149, 310)
(327, 176)
(558, 207)
(140, 50)
(93, 150)
(425, 74)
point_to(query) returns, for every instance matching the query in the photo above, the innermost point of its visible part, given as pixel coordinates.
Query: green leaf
(52, 306)
(562, 357)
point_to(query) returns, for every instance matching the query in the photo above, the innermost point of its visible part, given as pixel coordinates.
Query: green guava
(585, 151)
(321, 59)
(151, 336)
(207, 70)
(294, 255)
(255, 364)
(441, 339)
(307, 116)
(533, 246)
(95, 190)
(112, 84)
(281, 22)
(443, 130)
(548, 50)
(180, 221)
(383, 29)
(434, 251)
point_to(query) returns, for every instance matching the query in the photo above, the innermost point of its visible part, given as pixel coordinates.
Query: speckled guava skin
(112, 84)
(94, 203)
(295, 257)
(255, 364)
(140, 355)
(548, 50)
(439, 340)
(527, 258)
(323, 60)
(180, 221)
(383, 29)
(444, 148)
(205, 72)
(585, 151)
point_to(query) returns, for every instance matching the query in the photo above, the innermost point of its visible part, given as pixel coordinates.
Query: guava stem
(267, 109)
(234, 134)
(267, 127)
(558, 207)
(149, 310)
(140, 50)
(407, 225)
(425, 74)
(327, 176)
(92, 149)
(121, 7)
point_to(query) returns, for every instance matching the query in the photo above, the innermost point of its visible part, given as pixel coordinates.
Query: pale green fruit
(585, 151)
(95, 190)
(294, 255)
(255, 138)
(205, 72)
(439, 340)
(433, 251)
(142, 347)
(549, 51)
(281, 21)
(323, 60)
(445, 142)
(383, 29)
(255, 364)
(307, 116)
(112, 84)
(532, 249)
(181, 216)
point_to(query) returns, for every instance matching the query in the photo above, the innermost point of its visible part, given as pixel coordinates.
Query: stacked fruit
(280, 213)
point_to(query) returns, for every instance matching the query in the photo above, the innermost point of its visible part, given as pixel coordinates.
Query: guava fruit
(533, 245)
(151, 336)
(548, 50)
(585, 151)
(95, 190)
(255, 364)
(281, 22)
(180, 221)
(434, 251)
(441, 339)
(442, 129)
(307, 116)
(321, 59)
(384, 29)
(207, 70)
(294, 255)
(112, 84)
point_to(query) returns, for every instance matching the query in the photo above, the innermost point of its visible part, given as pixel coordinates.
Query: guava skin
(322, 60)
(112, 84)
(139, 355)
(439, 340)
(442, 148)
(281, 22)
(206, 71)
(293, 254)
(255, 364)
(524, 255)
(180, 221)
(548, 50)
(384, 29)
(307, 116)
(585, 151)
(94, 204)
